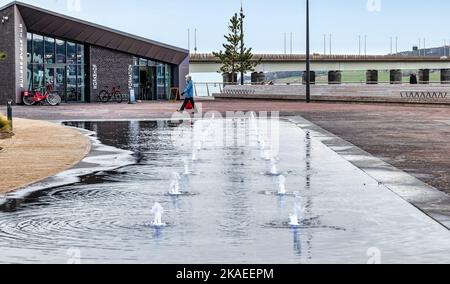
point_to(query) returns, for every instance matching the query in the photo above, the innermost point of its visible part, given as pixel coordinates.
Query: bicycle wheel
(104, 96)
(28, 100)
(53, 99)
(118, 97)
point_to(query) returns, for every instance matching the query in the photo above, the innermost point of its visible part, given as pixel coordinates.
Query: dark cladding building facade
(80, 59)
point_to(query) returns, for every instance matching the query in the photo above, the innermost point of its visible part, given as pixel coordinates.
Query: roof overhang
(48, 23)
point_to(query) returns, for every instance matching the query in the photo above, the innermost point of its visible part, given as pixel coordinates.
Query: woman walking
(188, 94)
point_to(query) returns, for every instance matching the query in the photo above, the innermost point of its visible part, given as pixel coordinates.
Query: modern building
(79, 59)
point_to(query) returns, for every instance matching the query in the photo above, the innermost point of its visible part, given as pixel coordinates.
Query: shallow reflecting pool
(229, 209)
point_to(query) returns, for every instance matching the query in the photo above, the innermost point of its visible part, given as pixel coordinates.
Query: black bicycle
(106, 96)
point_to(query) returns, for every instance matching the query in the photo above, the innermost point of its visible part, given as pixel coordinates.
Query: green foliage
(236, 57)
(4, 124)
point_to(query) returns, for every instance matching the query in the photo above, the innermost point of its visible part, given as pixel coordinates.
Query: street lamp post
(308, 60)
(189, 39)
(242, 43)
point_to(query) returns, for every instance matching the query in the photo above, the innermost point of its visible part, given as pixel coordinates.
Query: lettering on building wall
(130, 76)
(94, 77)
(21, 57)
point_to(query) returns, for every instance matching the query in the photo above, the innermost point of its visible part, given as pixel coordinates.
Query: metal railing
(210, 58)
(207, 89)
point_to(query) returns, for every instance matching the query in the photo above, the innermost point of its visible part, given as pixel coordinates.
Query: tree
(236, 57)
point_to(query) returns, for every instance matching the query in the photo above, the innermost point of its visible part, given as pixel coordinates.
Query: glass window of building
(60, 80)
(136, 80)
(29, 47)
(135, 61)
(30, 77)
(49, 47)
(143, 62)
(71, 79)
(71, 53)
(80, 54)
(60, 51)
(81, 84)
(168, 79)
(57, 62)
(161, 81)
(49, 76)
(38, 76)
(38, 49)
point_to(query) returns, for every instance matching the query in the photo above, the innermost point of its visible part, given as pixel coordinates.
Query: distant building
(432, 52)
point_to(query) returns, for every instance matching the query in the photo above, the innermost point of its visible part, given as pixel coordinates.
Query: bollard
(312, 77)
(334, 77)
(424, 76)
(396, 76)
(372, 77)
(9, 114)
(445, 76)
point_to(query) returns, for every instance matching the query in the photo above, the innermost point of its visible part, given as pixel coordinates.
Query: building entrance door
(147, 79)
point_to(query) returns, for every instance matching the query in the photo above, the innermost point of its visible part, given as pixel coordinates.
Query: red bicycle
(36, 96)
(106, 96)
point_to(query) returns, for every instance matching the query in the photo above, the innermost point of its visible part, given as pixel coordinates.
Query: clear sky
(268, 20)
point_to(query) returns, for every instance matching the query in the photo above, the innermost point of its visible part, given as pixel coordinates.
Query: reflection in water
(297, 241)
(308, 159)
(134, 129)
(236, 221)
(308, 201)
(281, 201)
(157, 234)
(176, 202)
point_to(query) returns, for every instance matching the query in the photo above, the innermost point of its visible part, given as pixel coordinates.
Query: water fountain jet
(157, 210)
(266, 155)
(186, 168)
(175, 185)
(281, 185)
(294, 219)
(194, 155)
(273, 167)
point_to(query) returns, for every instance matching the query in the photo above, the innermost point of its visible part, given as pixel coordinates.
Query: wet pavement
(415, 139)
(232, 213)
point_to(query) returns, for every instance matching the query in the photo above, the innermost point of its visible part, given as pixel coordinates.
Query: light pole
(195, 41)
(392, 50)
(331, 44)
(424, 47)
(292, 43)
(189, 39)
(420, 46)
(242, 43)
(359, 45)
(308, 60)
(396, 45)
(365, 46)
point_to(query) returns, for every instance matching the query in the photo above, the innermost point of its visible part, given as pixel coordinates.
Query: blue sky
(268, 20)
